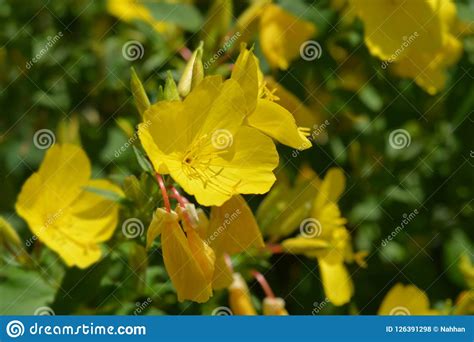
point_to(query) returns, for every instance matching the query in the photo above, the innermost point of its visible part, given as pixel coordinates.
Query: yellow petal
(156, 226)
(304, 116)
(405, 300)
(64, 170)
(330, 190)
(239, 297)
(233, 228)
(275, 121)
(245, 72)
(307, 246)
(388, 23)
(337, 283)
(190, 279)
(222, 274)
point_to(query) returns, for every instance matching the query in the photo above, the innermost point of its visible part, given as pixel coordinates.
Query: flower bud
(193, 72)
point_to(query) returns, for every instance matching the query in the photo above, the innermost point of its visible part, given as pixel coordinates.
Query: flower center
(197, 165)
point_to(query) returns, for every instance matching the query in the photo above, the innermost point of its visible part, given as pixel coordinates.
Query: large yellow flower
(324, 237)
(61, 213)
(202, 143)
(263, 112)
(406, 300)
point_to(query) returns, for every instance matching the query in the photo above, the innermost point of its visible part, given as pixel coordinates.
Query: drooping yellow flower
(61, 213)
(406, 300)
(188, 259)
(239, 297)
(232, 229)
(282, 34)
(274, 306)
(263, 112)
(324, 237)
(418, 37)
(202, 143)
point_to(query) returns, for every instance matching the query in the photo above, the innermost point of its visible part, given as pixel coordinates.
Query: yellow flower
(324, 237)
(417, 36)
(274, 307)
(239, 297)
(406, 300)
(282, 34)
(202, 143)
(61, 213)
(262, 111)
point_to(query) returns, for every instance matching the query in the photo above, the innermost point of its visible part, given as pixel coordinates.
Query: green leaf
(183, 15)
(141, 99)
(23, 291)
(144, 163)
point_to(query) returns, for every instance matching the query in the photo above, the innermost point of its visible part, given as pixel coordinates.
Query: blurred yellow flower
(61, 213)
(417, 36)
(130, 10)
(202, 143)
(324, 237)
(263, 112)
(282, 34)
(406, 300)
(274, 306)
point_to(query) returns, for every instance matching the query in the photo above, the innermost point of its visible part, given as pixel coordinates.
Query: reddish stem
(185, 53)
(263, 283)
(274, 248)
(182, 203)
(164, 193)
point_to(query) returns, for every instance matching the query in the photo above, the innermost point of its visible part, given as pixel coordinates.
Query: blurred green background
(83, 81)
